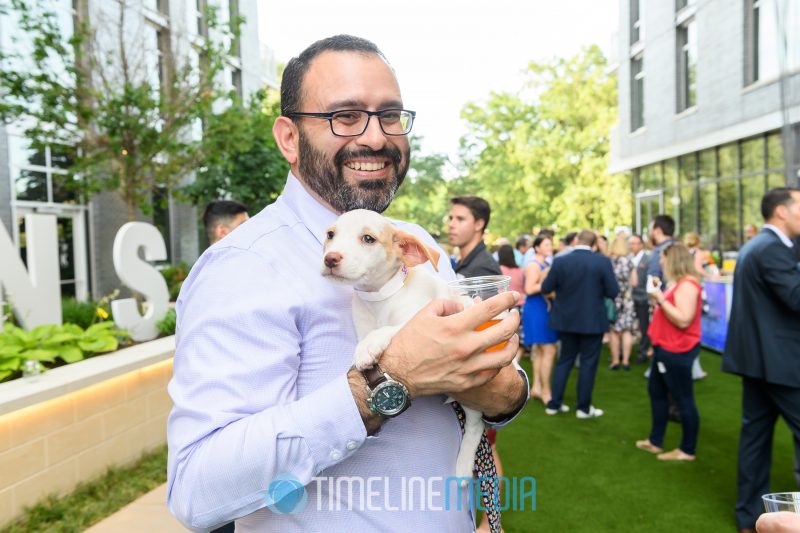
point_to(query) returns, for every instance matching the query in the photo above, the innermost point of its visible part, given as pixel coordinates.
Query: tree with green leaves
(423, 197)
(540, 156)
(247, 165)
(129, 118)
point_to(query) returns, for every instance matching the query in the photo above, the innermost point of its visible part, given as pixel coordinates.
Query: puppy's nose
(332, 259)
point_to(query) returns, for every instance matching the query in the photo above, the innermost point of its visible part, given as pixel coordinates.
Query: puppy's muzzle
(332, 259)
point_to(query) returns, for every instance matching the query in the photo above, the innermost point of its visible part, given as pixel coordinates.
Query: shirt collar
(479, 248)
(781, 235)
(582, 247)
(315, 216)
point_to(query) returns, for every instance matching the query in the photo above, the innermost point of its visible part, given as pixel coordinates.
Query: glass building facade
(715, 192)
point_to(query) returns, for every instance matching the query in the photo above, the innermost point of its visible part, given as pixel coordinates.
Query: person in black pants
(581, 280)
(675, 332)
(641, 304)
(763, 345)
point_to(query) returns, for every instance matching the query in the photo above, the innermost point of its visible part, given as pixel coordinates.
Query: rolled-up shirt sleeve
(238, 420)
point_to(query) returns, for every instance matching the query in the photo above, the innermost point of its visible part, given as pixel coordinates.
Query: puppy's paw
(370, 349)
(363, 359)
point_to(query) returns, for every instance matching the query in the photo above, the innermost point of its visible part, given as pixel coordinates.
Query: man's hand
(782, 522)
(440, 351)
(500, 396)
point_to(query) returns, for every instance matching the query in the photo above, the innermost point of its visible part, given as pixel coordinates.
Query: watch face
(389, 398)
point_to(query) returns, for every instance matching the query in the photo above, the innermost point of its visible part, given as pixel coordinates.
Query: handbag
(611, 310)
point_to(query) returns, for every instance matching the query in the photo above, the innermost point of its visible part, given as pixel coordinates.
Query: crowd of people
(581, 292)
(263, 383)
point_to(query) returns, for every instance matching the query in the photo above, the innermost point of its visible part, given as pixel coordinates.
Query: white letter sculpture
(142, 277)
(35, 294)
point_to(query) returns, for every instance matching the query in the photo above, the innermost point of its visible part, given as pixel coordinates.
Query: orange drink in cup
(469, 291)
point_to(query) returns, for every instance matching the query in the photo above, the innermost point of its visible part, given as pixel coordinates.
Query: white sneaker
(593, 413)
(563, 409)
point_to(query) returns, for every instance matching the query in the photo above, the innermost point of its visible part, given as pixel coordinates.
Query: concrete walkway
(148, 514)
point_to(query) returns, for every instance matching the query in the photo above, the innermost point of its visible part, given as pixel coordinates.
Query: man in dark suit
(580, 279)
(641, 303)
(763, 345)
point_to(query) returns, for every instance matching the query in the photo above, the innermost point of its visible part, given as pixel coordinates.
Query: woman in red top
(675, 332)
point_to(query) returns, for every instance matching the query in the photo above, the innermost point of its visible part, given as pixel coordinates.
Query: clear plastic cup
(469, 291)
(782, 501)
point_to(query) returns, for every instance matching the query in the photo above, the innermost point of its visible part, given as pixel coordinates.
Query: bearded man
(271, 426)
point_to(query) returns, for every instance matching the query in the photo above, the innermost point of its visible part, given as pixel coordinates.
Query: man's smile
(366, 165)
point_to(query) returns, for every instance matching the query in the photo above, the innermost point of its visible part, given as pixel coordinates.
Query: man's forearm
(358, 385)
(498, 398)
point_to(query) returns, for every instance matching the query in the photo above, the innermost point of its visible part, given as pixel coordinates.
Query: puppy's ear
(414, 251)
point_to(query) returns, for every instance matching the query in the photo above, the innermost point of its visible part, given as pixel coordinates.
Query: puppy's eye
(330, 234)
(369, 239)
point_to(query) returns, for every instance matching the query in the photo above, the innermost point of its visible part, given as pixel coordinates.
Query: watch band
(374, 376)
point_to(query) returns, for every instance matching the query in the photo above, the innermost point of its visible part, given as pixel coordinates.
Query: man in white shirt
(271, 425)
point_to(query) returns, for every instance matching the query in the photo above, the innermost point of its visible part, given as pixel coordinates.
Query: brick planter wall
(71, 423)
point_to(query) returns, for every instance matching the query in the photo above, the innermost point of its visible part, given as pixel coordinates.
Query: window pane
(636, 21)
(60, 157)
(728, 160)
(671, 174)
(776, 180)
(687, 65)
(707, 164)
(31, 185)
(708, 213)
(774, 152)
(752, 192)
(650, 177)
(637, 93)
(66, 255)
(672, 204)
(161, 219)
(21, 154)
(753, 156)
(688, 209)
(65, 189)
(687, 169)
(691, 53)
(767, 40)
(729, 214)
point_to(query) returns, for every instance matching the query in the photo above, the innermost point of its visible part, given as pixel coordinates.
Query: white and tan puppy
(365, 250)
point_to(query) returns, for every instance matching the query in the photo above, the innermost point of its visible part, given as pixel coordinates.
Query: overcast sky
(446, 52)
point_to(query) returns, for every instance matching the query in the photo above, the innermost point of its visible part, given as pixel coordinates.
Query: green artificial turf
(92, 501)
(591, 478)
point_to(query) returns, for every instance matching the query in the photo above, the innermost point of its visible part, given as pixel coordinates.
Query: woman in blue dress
(535, 316)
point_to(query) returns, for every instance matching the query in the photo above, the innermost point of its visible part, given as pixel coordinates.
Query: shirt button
(352, 445)
(336, 455)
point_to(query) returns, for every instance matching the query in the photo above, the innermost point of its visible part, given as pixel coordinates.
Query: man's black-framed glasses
(354, 122)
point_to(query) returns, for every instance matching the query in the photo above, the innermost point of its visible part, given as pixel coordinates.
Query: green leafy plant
(84, 314)
(174, 276)
(166, 326)
(49, 343)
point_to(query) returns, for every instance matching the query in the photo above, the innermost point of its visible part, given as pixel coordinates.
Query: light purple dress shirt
(264, 343)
